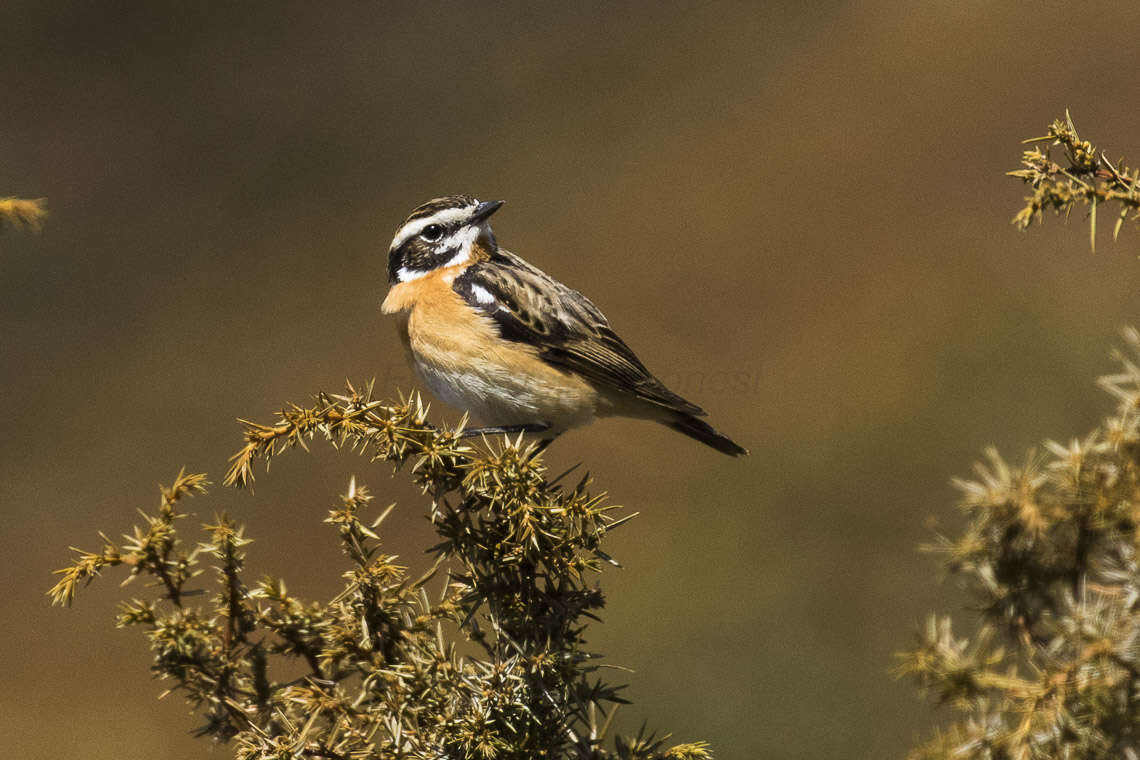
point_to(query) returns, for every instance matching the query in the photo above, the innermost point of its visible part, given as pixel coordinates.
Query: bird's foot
(530, 427)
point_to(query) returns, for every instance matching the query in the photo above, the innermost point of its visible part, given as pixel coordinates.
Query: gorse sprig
(385, 678)
(1087, 176)
(393, 432)
(151, 549)
(1049, 558)
(21, 213)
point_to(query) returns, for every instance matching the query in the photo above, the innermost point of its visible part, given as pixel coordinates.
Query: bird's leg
(528, 427)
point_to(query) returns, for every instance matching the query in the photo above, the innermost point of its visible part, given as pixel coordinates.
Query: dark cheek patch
(417, 256)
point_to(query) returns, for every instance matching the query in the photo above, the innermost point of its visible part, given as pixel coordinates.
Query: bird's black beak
(484, 210)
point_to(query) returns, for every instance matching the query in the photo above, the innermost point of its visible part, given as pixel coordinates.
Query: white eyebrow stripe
(444, 216)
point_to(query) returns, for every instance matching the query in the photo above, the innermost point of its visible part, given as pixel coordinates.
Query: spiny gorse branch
(150, 549)
(20, 213)
(385, 677)
(1050, 559)
(1087, 176)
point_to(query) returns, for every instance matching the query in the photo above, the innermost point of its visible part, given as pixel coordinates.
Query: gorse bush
(1049, 558)
(516, 554)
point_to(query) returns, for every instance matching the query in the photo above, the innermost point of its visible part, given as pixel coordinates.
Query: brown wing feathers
(569, 332)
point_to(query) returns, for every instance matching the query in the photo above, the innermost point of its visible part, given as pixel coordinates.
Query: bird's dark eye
(432, 233)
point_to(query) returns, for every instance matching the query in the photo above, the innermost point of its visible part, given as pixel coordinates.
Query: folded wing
(568, 331)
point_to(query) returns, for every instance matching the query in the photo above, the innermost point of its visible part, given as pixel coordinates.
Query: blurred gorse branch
(383, 673)
(1087, 176)
(19, 213)
(1049, 558)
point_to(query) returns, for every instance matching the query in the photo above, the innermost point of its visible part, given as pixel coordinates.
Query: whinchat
(495, 336)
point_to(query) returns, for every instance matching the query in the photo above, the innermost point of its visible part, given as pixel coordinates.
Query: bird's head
(442, 232)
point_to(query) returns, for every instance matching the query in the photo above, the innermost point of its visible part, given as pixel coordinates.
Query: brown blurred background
(811, 195)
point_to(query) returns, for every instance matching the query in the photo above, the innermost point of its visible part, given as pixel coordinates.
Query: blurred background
(795, 212)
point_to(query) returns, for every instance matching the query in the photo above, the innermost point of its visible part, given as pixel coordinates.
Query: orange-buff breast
(458, 353)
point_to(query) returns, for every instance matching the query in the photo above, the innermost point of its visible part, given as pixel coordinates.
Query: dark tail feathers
(704, 432)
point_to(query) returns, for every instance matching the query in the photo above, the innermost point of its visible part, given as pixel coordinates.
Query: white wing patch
(482, 295)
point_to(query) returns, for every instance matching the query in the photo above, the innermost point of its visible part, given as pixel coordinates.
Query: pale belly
(499, 395)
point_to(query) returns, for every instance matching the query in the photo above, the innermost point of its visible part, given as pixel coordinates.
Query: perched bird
(495, 336)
